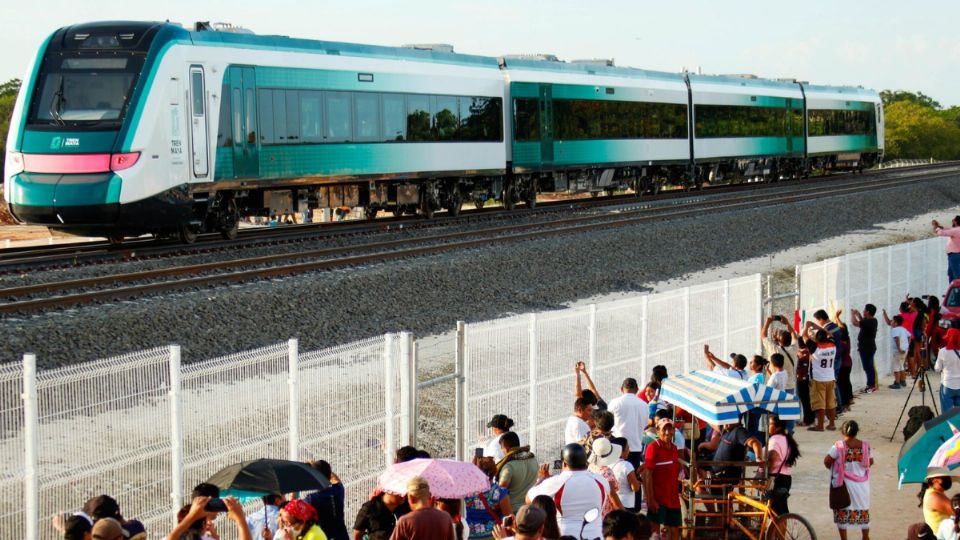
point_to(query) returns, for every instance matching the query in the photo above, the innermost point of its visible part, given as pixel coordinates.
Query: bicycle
(788, 526)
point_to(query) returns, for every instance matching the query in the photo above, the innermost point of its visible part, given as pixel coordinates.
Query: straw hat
(940, 472)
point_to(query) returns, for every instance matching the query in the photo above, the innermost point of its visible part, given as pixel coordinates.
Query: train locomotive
(129, 128)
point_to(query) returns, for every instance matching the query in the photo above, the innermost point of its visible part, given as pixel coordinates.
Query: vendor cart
(737, 510)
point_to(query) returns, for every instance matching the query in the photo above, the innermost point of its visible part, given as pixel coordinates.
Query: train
(123, 129)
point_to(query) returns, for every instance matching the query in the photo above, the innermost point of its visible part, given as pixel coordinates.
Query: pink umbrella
(948, 455)
(448, 479)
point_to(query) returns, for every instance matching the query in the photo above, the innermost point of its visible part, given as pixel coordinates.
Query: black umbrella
(269, 476)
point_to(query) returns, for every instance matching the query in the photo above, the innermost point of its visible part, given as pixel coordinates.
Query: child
(901, 344)
(626, 476)
(778, 377)
(757, 364)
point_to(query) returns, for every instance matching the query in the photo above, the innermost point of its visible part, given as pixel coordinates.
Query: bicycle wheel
(790, 527)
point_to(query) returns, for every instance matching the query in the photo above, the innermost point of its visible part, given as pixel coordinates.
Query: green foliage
(8, 95)
(917, 131)
(890, 97)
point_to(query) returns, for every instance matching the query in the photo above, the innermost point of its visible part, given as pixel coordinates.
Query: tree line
(917, 126)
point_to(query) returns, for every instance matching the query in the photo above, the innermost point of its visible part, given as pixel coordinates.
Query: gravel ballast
(427, 295)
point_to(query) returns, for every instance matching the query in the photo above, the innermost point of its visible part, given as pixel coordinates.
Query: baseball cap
(101, 506)
(134, 530)
(663, 422)
(530, 519)
(107, 529)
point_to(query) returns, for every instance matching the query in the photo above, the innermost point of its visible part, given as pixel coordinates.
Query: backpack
(916, 417)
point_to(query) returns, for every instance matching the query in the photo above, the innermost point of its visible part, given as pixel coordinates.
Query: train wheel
(455, 203)
(398, 211)
(229, 221)
(370, 212)
(188, 234)
(790, 527)
(115, 239)
(478, 203)
(532, 200)
(510, 197)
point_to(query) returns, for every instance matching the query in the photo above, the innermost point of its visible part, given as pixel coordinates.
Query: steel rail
(456, 241)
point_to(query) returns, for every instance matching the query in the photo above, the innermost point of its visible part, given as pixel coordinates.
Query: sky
(879, 44)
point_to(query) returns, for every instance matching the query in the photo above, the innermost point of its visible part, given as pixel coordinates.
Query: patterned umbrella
(948, 455)
(448, 479)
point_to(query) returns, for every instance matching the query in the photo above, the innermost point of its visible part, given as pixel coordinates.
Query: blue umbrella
(916, 452)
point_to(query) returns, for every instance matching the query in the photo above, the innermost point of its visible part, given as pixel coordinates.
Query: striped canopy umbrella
(720, 400)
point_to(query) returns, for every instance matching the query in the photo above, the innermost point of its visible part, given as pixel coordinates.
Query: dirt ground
(891, 510)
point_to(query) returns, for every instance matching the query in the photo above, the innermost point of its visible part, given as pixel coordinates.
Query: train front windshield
(84, 92)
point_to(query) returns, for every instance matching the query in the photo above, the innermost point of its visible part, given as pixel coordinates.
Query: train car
(592, 127)
(125, 128)
(844, 127)
(746, 127)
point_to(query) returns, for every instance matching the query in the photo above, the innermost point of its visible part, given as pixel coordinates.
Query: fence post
(643, 333)
(592, 340)
(759, 319)
(767, 300)
(725, 340)
(414, 392)
(176, 431)
(796, 289)
(293, 357)
(845, 261)
(31, 448)
(388, 447)
(532, 416)
(404, 370)
(460, 388)
(686, 330)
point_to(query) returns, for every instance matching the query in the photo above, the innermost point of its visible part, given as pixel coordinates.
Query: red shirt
(663, 460)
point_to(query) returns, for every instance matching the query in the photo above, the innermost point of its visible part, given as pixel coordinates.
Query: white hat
(605, 452)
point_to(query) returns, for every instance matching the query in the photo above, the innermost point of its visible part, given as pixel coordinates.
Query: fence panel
(235, 408)
(620, 343)
(11, 451)
(98, 433)
(883, 277)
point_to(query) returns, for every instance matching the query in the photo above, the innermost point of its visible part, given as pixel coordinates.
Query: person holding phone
(203, 508)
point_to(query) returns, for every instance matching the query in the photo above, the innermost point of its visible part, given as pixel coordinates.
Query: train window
(251, 116)
(480, 119)
(311, 116)
(740, 121)
(418, 118)
(196, 91)
(280, 116)
(394, 117)
(446, 119)
(823, 122)
(265, 98)
(366, 116)
(293, 116)
(526, 114)
(596, 119)
(224, 138)
(338, 109)
(237, 106)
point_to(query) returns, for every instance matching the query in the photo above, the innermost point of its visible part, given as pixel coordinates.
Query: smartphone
(215, 505)
(478, 452)
(557, 464)
(507, 521)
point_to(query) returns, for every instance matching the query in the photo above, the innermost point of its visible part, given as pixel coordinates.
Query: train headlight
(14, 163)
(119, 162)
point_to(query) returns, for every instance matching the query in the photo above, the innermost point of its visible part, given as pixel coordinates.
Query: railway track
(17, 260)
(55, 295)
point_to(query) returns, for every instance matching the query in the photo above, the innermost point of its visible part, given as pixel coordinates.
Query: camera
(478, 452)
(557, 464)
(215, 505)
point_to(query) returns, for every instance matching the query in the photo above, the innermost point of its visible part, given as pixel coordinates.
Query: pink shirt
(953, 233)
(778, 444)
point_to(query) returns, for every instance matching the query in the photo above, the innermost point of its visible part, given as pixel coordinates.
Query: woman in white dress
(849, 462)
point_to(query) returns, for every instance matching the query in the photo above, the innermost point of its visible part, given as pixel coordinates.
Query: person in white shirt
(948, 363)
(630, 416)
(626, 475)
(577, 428)
(823, 398)
(499, 425)
(576, 491)
(900, 337)
(778, 377)
(735, 369)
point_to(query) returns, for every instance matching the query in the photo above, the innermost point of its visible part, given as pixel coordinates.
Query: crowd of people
(622, 457)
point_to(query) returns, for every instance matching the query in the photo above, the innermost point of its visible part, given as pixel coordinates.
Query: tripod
(923, 380)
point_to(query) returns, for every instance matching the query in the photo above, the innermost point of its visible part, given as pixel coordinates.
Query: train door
(788, 120)
(546, 124)
(243, 109)
(198, 121)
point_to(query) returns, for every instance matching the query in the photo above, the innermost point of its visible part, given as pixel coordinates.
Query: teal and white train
(126, 128)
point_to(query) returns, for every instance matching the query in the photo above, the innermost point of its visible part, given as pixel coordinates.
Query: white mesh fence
(11, 451)
(98, 433)
(882, 277)
(523, 366)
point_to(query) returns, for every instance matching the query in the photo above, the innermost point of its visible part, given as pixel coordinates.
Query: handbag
(839, 497)
(776, 493)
